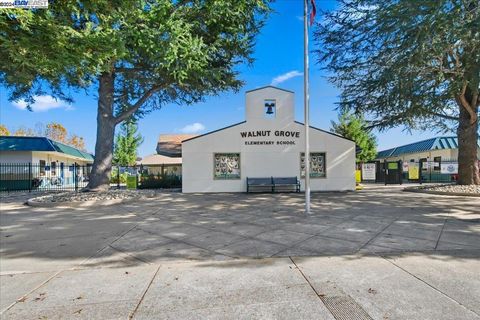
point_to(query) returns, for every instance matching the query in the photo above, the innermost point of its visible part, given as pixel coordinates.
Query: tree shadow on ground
(225, 226)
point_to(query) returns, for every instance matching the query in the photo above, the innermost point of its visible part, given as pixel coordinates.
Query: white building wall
(57, 157)
(266, 160)
(15, 156)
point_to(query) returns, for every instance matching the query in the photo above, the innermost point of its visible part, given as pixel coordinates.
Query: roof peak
(268, 86)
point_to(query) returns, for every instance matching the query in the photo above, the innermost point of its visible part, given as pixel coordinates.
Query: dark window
(423, 162)
(42, 164)
(54, 168)
(437, 163)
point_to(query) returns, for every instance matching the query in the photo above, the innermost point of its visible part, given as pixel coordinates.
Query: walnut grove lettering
(266, 133)
(269, 133)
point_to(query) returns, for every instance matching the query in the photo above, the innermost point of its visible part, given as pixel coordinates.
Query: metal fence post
(75, 176)
(400, 171)
(385, 170)
(29, 177)
(118, 177)
(420, 169)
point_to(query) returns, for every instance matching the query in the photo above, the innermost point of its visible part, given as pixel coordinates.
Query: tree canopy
(139, 55)
(408, 63)
(355, 128)
(52, 130)
(4, 130)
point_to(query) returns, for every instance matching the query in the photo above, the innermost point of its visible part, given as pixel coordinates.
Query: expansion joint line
(428, 284)
(29, 292)
(132, 314)
(306, 279)
(441, 233)
(380, 232)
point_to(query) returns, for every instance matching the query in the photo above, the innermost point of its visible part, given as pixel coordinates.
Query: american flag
(313, 11)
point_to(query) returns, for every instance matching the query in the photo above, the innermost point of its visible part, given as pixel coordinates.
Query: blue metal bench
(273, 184)
(286, 184)
(260, 184)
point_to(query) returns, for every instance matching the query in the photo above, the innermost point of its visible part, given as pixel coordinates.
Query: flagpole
(306, 99)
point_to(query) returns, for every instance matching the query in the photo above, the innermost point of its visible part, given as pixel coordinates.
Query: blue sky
(278, 54)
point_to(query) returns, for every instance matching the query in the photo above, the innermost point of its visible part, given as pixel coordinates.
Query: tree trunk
(467, 132)
(102, 165)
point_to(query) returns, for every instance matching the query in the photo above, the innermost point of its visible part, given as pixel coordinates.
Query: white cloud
(284, 77)
(193, 128)
(42, 104)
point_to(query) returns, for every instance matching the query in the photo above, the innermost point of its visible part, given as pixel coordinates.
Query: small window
(54, 168)
(318, 165)
(42, 165)
(270, 108)
(424, 164)
(226, 166)
(437, 162)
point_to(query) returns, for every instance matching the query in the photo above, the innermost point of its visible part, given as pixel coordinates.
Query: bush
(158, 181)
(114, 177)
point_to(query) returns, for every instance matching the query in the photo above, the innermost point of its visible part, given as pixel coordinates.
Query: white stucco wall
(57, 157)
(15, 156)
(266, 160)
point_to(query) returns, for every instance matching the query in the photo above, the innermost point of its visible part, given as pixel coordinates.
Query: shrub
(158, 181)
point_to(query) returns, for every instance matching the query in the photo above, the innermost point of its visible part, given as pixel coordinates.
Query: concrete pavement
(378, 253)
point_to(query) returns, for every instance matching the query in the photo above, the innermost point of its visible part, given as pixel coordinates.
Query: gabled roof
(438, 143)
(385, 153)
(265, 87)
(170, 145)
(205, 134)
(12, 143)
(324, 131)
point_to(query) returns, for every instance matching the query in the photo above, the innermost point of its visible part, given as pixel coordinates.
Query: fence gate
(393, 172)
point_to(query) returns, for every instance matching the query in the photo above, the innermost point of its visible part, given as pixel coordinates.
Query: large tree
(356, 128)
(139, 55)
(409, 63)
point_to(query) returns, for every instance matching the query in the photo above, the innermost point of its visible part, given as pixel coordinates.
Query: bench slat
(273, 182)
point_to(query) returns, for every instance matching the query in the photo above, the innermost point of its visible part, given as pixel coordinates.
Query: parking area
(215, 236)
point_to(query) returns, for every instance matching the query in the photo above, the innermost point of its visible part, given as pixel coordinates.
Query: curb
(442, 193)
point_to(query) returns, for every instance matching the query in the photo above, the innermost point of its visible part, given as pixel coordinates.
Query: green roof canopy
(438, 143)
(10, 143)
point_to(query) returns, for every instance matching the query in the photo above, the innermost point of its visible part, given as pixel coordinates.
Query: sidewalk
(414, 286)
